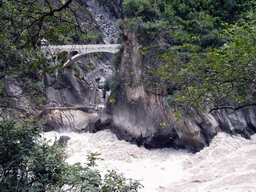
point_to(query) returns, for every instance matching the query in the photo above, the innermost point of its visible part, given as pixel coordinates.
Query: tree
(22, 25)
(181, 22)
(28, 163)
(218, 78)
(204, 50)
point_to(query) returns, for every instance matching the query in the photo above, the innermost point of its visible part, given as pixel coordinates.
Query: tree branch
(233, 108)
(61, 8)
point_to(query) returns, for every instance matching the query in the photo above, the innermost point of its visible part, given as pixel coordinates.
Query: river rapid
(228, 164)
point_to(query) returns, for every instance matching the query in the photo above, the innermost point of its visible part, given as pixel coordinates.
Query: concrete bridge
(75, 52)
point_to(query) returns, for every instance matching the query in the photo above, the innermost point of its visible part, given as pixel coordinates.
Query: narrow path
(85, 108)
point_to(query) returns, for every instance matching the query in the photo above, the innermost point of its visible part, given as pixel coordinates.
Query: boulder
(66, 120)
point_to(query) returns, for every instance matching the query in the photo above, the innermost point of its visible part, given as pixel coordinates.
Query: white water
(228, 164)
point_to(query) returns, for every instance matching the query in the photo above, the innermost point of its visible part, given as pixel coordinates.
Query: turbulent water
(228, 164)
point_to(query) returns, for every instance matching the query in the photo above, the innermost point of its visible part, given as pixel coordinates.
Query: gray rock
(137, 114)
(63, 140)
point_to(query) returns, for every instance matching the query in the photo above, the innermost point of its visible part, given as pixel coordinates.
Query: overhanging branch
(233, 108)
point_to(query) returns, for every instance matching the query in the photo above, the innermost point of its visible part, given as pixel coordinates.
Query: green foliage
(76, 69)
(117, 57)
(92, 158)
(90, 37)
(147, 32)
(114, 86)
(25, 164)
(93, 37)
(218, 77)
(2, 88)
(170, 99)
(97, 56)
(22, 25)
(182, 22)
(29, 164)
(116, 182)
(62, 57)
(209, 50)
(144, 9)
(90, 66)
(112, 100)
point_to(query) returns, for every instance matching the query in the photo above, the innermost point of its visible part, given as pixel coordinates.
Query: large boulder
(66, 120)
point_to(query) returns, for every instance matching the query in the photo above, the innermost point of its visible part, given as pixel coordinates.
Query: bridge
(75, 52)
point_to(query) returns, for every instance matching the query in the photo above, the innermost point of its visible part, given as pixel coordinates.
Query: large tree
(23, 23)
(205, 50)
(28, 163)
(218, 78)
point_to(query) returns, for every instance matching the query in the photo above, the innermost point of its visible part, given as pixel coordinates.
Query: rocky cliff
(138, 110)
(143, 116)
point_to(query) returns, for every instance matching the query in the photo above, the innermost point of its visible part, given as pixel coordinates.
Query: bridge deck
(81, 50)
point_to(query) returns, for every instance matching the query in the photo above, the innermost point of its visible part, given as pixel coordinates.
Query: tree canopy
(219, 77)
(28, 163)
(23, 24)
(205, 49)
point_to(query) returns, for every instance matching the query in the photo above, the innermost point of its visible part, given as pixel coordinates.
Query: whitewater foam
(228, 164)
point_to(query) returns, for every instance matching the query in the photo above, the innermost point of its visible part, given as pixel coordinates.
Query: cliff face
(74, 94)
(135, 113)
(106, 14)
(143, 117)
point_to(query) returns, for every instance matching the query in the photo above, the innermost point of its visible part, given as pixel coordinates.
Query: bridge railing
(79, 47)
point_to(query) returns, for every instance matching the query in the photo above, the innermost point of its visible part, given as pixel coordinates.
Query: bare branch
(49, 5)
(233, 108)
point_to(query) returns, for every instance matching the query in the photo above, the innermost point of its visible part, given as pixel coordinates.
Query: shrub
(30, 164)
(90, 66)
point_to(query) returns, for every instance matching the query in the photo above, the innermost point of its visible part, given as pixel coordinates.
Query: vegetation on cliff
(26, 162)
(205, 50)
(23, 24)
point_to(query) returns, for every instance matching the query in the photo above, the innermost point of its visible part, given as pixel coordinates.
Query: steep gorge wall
(137, 114)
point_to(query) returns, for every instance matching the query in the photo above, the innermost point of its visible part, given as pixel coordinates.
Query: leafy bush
(90, 66)
(30, 164)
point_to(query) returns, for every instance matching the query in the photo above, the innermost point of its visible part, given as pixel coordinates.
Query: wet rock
(105, 118)
(66, 120)
(137, 114)
(63, 140)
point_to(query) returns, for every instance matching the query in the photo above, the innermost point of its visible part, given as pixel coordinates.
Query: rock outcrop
(106, 14)
(135, 113)
(143, 117)
(76, 94)
(68, 120)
